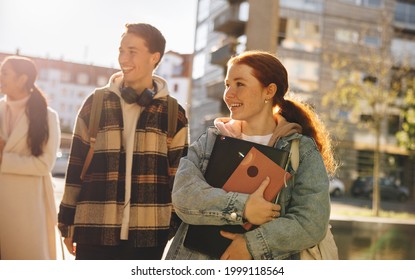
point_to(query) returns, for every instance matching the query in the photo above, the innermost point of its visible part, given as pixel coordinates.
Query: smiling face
(136, 62)
(245, 96)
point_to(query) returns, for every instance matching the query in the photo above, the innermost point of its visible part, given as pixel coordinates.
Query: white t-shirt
(131, 114)
(260, 139)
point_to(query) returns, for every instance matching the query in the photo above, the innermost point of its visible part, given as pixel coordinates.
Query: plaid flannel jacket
(94, 206)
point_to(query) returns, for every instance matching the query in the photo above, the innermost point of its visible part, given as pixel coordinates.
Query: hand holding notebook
(227, 155)
(250, 173)
(252, 170)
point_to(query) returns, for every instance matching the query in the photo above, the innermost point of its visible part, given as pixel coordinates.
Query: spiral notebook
(240, 166)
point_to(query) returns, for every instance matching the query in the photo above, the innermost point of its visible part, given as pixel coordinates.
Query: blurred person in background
(29, 141)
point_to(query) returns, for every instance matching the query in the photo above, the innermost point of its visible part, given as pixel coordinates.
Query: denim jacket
(305, 203)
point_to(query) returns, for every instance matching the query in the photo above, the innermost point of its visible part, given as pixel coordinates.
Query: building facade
(306, 35)
(175, 68)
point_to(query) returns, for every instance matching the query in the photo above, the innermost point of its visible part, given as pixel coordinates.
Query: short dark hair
(155, 41)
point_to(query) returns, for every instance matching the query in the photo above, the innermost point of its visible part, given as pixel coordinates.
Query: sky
(88, 31)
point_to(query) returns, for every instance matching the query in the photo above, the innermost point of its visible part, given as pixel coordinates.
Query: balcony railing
(230, 22)
(221, 56)
(215, 91)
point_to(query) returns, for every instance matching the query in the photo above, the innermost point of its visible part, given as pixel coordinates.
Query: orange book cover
(252, 170)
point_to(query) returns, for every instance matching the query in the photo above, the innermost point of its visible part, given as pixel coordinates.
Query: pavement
(342, 209)
(354, 209)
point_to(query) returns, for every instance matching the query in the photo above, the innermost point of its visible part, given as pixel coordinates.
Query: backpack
(97, 103)
(326, 249)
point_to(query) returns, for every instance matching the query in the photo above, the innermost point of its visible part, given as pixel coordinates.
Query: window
(201, 36)
(400, 12)
(359, 77)
(366, 118)
(299, 34)
(177, 70)
(203, 10)
(305, 5)
(372, 41)
(350, 1)
(405, 13)
(65, 77)
(303, 74)
(393, 124)
(366, 3)
(82, 78)
(241, 46)
(199, 66)
(244, 11)
(373, 3)
(340, 114)
(346, 36)
(352, 37)
(102, 81)
(365, 162)
(403, 50)
(343, 115)
(282, 31)
(370, 79)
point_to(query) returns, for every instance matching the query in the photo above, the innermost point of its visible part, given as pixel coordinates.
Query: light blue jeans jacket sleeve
(305, 203)
(195, 201)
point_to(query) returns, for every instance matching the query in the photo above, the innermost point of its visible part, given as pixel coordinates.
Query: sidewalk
(342, 209)
(61, 251)
(339, 206)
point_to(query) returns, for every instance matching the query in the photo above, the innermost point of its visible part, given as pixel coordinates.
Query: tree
(406, 136)
(366, 91)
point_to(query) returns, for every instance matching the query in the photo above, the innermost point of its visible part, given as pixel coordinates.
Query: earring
(266, 101)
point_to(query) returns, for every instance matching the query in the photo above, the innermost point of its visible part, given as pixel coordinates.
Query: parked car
(389, 189)
(336, 187)
(61, 164)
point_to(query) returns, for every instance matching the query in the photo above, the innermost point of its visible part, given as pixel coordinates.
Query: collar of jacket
(115, 83)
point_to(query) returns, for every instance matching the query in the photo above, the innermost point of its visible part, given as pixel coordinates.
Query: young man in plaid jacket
(122, 209)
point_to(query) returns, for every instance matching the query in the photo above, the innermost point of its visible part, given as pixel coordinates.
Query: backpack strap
(172, 111)
(295, 154)
(95, 116)
(94, 119)
(294, 160)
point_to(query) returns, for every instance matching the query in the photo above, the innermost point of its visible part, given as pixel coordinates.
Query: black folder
(227, 154)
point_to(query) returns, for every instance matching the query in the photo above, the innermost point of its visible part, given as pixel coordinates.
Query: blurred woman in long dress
(29, 141)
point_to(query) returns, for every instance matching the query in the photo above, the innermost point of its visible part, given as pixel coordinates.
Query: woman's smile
(235, 106)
